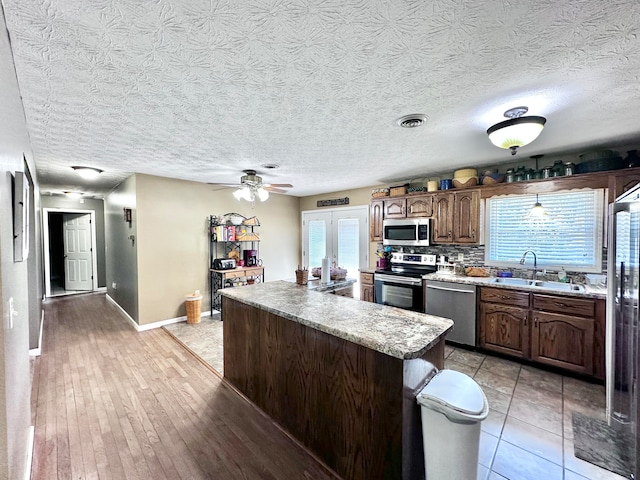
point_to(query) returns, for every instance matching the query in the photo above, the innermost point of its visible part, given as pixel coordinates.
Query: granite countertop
(393, 331)
(590, 292)
(314, 284)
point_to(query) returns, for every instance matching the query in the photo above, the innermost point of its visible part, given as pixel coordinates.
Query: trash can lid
(454, 390)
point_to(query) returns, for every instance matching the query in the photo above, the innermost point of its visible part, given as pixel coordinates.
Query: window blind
(568, 236)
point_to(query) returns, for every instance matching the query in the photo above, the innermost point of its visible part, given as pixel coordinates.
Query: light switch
(461, 257)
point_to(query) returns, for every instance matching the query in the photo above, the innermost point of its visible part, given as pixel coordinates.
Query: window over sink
(569, 235)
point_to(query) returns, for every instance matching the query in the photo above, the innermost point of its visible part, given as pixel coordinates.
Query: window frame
(600, 226)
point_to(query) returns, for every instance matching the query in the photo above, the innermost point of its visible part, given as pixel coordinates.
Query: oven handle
(449, 289)
(396, 279)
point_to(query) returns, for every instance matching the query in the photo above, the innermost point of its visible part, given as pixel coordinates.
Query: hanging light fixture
(537, 210)
(516, 132)
(88, 173)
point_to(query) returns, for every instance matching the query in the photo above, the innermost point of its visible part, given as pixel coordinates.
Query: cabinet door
(395, 208)
(504, 329)
(466, 217)
(375, 220)
(563, 341)
(420, 206)
(442, 225)
(367, 293)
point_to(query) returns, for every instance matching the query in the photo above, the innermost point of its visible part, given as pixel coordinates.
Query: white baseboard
(151, 326)
(27, 472)
(101, 290)
(35, 352)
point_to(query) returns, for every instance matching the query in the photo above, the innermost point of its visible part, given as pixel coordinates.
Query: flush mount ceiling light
(88, 173)
(412, 120)
(516, 132)
(73, 194)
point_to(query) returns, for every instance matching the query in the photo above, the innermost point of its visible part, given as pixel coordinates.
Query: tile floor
(528, 433)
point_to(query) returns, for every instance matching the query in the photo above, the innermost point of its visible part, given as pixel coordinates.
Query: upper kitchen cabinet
(456, 217)
(420, 206)
(395, 208)
(375, 220)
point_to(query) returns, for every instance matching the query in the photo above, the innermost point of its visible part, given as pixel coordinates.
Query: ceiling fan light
(88, 173)
(262, 194)
(243, 194)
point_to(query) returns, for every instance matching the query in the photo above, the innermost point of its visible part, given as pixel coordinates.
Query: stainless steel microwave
(412, 232)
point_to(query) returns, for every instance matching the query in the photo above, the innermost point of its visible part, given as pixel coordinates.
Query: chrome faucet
(535, 261)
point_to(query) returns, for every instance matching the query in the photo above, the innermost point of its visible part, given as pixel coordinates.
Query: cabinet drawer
(366, 278)
(504, 295)
(581, 307)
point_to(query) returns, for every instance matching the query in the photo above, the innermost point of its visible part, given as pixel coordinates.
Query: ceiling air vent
(412, 121)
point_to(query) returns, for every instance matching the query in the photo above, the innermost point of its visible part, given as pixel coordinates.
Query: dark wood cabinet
(375, 220)
(396, 208)
(456, 217)
(420, 206)
(565, 332)
(504, 324)
(466, 216)
(563, 341)
(367, 289)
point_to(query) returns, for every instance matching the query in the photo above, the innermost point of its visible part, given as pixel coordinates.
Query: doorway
(342, 234)
(70, 251)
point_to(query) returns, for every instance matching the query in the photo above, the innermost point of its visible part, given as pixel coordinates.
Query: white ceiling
(202, 89)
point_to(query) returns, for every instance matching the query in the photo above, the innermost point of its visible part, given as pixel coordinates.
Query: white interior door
(78, 267)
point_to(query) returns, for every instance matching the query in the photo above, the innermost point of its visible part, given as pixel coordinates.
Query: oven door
(398, 291)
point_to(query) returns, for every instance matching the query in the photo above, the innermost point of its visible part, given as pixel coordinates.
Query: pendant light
(537, 210)
(516, 132)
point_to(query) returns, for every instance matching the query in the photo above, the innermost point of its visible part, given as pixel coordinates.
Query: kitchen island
(338, 374)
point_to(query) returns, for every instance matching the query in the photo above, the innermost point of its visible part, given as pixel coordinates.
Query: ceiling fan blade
(281, 185)
(230, 185)
(274, 190)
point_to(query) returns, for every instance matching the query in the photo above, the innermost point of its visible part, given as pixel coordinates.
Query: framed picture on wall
(21, 190)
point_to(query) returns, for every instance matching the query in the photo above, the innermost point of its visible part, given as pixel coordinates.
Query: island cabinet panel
(352, 406)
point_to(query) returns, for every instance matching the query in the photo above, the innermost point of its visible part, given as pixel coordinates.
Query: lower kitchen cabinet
(367, 292)
(504, 329)
(563, 341)
(549, 329)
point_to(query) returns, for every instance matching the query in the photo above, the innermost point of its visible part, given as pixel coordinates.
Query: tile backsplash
(474, 256)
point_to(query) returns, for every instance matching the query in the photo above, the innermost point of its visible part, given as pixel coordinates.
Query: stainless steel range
(401, 286)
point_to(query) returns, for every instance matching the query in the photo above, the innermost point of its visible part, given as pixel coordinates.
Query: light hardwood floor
(111, 403)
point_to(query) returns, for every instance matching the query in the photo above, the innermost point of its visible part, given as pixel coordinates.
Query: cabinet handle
(525, 320)
(450, 235)
(473, 234)
(535, 322)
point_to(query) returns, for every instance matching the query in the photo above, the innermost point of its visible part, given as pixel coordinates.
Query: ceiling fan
(251, 187)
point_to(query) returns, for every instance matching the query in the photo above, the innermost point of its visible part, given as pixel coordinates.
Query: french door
(342, 234)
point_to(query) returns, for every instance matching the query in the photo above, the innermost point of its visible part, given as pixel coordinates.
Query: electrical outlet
(114, 285)
(461, 257)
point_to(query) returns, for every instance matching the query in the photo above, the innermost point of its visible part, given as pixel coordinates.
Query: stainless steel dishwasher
(456, 301)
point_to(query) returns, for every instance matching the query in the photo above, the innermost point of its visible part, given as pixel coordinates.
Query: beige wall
(172, 240)
(18, 280)
(122, 253)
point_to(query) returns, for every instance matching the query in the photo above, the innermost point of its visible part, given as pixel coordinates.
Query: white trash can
(452, 405)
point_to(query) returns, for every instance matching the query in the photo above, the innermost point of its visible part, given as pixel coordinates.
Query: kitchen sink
(523, 282)
(565, 287)
(512, 281)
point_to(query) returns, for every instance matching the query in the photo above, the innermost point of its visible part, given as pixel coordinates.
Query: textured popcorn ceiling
(201, 90)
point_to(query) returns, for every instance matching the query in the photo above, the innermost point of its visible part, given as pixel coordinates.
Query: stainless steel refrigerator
(622, 355)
